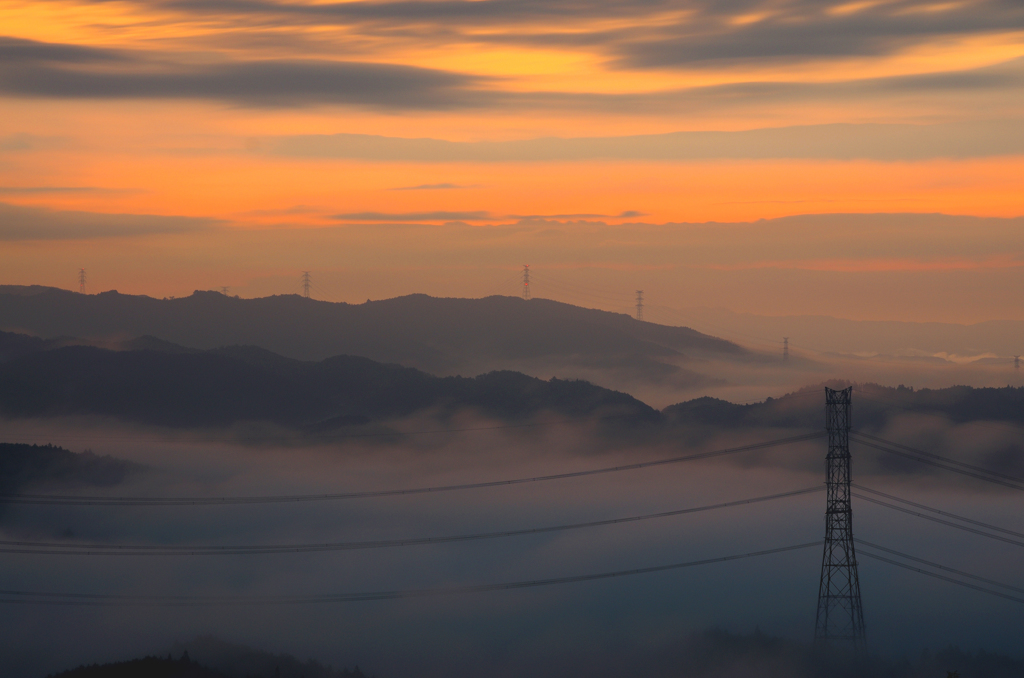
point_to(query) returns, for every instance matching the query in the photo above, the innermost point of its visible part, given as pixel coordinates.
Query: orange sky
(241, 122)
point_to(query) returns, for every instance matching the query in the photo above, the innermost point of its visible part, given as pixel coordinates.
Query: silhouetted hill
(22, 465)
(14, 345)
(240, 661)
(705, 654)
(228, 385)
(873, 407)
(440, 336)
(147, 667)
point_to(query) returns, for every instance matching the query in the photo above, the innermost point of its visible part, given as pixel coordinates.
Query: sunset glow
(267, 115)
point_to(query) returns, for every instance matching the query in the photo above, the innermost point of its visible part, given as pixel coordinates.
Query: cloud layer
(838, 141)
(34, 223)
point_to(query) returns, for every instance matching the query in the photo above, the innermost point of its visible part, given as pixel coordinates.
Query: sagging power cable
(947, 464)
(936, 575)
(93, 599)
(86, 500)
(63, 548)
(940, 521)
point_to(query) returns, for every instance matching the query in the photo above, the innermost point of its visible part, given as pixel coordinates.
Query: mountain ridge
(444, 336)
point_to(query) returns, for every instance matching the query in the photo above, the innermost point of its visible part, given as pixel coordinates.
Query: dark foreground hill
(237, 384)
(49, 466)
(220, 660)
(707, 654)
(440, 336)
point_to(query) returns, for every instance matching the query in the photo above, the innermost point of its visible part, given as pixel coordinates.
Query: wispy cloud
(433, 187)
(837, 141)
(31, 190)
(413, 216)
(18, 223)
(37, 69)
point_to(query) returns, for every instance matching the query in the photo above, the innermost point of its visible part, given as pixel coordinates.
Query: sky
(708, 152)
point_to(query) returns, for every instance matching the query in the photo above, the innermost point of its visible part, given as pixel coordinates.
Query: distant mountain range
(440, 336)
(151, 381)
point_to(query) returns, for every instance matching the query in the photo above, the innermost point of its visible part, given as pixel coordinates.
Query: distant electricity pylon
(785, 349)
(224, 290)
(1016, 362)
(639, 304)
(306, 283)
(81, 281)
(840, 620)
(526, 281)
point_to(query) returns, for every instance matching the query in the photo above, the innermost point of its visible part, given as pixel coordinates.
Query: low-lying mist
(636, 624)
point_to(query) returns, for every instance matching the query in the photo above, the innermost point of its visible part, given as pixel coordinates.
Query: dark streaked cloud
(809, 29)
(258, 82)
(34, 223)
(413, 216)
(837, 141)
(18, 50)
(651, 34)
(33, 190)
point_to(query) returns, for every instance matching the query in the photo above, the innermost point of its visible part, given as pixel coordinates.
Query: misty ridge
(257, 397)
(55, 467)
(440, 336)
(151, 381)
(221, 387)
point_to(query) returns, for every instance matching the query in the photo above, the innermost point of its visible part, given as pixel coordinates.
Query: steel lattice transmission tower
(840, 619)
(306, 282)
(1016, 362)
(640, 305)
(785, 349)
(526, 281)
(81, 281)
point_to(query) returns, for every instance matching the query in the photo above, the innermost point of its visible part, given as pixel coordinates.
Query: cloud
(65, 71)
(837, 141)
(30, 142)
(432, 187)
(18, 50)
(35, 69)
(655, 34)
(809, 30)
(621, 215)
(413, 216)
(31, 190)
(19, 223)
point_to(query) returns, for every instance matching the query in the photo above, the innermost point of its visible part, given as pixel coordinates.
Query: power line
(82, 500)
(935, 575)
(932, 455)
(939, 520)
(63, 548)
(95, 599)
(939, 511)
(946, 466)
